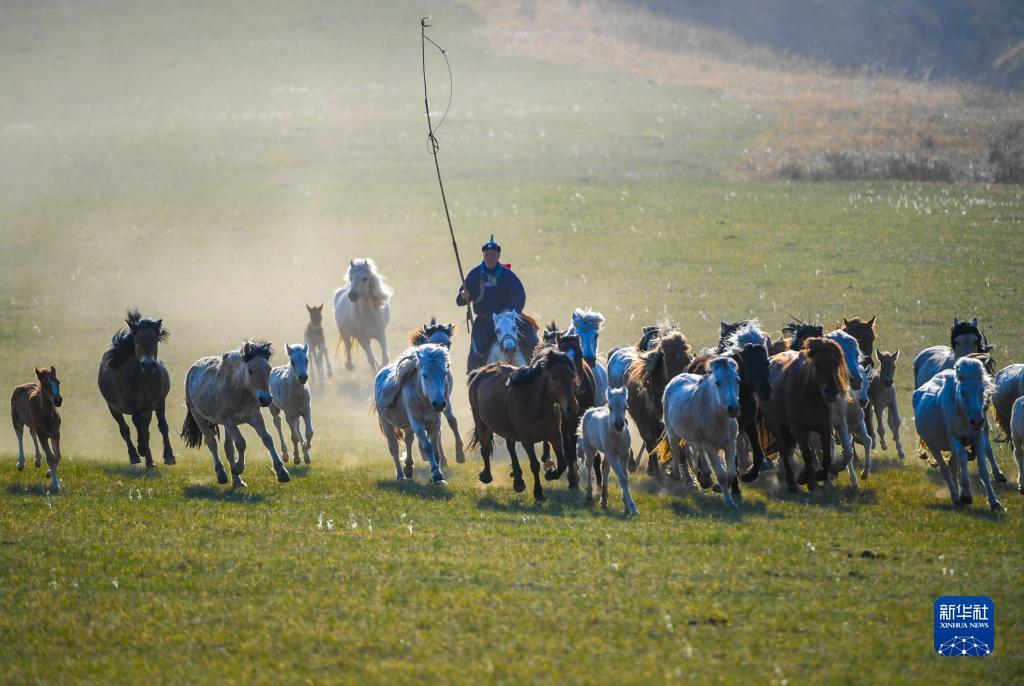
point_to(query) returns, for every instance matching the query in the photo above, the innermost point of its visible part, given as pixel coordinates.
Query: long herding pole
(433, 146)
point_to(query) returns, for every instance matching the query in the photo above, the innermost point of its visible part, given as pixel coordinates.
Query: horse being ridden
(441, 334)
(230, 390)
(362, 312)
(35, 405)
(316, 341)
(135, 382)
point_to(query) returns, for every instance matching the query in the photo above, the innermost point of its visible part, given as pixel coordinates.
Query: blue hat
(490, 245)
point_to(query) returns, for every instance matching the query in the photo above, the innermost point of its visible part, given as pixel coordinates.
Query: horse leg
(141, 421)
(391, 435)
(453, 424)
(370, 359)
(296, 436)
(382, 340)
(545, 458)
(569, 456)
(19, 431)
(997, 473)
(538, 492)
(1018, 456)
(879, 409)
(229, 454)
(233, 434)
(786, 443)
(409, 436)
(268, 442)
(518, 485)
(894, 424)
(161, 425)
(865, 437)
(954, 491)
(423, 435)
(617, 464)
(605, 468)
(35, 444)
(986, 481)
(709, 452)
(211, 444)
(325, 358)
(588, 463)
(126, 436)
(52, 458)
(756, 449)
(307, 418)
(442, 458)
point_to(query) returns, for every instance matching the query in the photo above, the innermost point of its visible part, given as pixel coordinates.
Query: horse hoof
(460, 458)
(822, 474)
(801, 478)
(150, 464)
(330, 375)
(222, 476)
(519, 486)
(748, 477)
(966, 498)
(238, 483)
(131, 459)
(1000, 478)
(486, 478)
(349, 366)
(283, 476)
(1020, 489)
(297, 460)
(170, 460)
(438, 479)
(407, 470)
(551, 475)
(539, 497)
(305, 459)
(21, 467)
(997, 507)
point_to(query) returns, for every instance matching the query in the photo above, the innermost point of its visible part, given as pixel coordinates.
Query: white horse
(882, 399)
(1017, 438)
(506, 348)
(441, 334)
(409, 396)
(604, 430)
(291, 395)
(1009, 385)
(848, 421)
(361, 311)
(230, 390)
(619, 362)
(702, 410)
(587, 325)
(949, 411)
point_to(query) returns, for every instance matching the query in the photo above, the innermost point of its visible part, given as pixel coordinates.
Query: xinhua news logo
(965, 626)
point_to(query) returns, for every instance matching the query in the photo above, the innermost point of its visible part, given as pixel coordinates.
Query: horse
(1009, 385)
(409, 396)
(1017, 439)
(586, 323)
(799, 331)
(965, 339)
(863, 331)
(35, 405)
(620, 359)
(525, 404)
(648, 376)
(507, 347)
(882, 399)
(362, 312)
(702, 410)
(849, 426)
(949, 412)
(803, 386)
(230, 390)
(441, 334)
(316, 341)
(604, 430)
(291, 396)
(134, 381)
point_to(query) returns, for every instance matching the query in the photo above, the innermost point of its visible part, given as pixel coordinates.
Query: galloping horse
(315, 339)
(134, 381)
(35, 405)
(230, 390)
(362, 312)
(291, 396)
(441, 334)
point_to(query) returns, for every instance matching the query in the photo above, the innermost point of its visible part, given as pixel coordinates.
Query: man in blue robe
(492, 287)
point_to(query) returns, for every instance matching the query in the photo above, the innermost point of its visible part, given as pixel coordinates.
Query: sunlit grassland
(228, 172)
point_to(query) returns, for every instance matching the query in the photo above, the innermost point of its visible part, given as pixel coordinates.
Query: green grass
(229, 170)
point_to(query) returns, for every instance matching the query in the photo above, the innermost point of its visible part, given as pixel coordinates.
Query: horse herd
(708, 418)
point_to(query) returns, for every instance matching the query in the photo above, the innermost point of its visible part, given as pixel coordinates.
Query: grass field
(219, 165)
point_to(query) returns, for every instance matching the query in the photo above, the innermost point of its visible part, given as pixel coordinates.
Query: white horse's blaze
(950, 417)
(362, 312)
(604, 430)
(291, 396)
(701, 410)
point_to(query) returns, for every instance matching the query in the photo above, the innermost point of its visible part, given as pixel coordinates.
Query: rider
(492, 287)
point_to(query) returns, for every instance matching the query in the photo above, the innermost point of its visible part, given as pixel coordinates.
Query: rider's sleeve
(516, 293)
(472, 285)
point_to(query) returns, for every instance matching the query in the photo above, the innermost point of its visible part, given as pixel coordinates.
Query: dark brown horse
(35, 405)
(803, 385)
(134, 382)
(522, 404)
(863, 331)
(645, 384)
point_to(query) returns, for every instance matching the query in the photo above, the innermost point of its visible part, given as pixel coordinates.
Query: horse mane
(551, 331)
(587, 319)
(818, 345)
(654, 332)
(980, 371)
(421, 335)
(963, 327)
(699, 364)
(543, 360)
(122, 344)
(530, 320)
(800, 331)
(749, 333)
(256, 347)
(379, 288)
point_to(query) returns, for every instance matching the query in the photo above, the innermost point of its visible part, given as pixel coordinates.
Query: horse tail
(473, 439)
(663, 449)
(190, 431)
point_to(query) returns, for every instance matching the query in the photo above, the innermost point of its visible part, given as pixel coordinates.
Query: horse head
(724, 373)
(363, 281)
(863, 331)
(146, 335)
(256, 356)
(973, 385)
(748, 345)
(316, 314)
(50, 384)
(617, 406)
(587, 325)
(675, 351)
(800, 331)
(569, 343)
(828, 367)
(506, 331)
(432, 365)
(887, 366)
(965, 338)
(298, 358)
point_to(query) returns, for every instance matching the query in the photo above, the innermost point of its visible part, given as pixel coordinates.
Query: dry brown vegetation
(823, 124)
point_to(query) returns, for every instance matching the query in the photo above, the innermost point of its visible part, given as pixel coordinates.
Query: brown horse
(314, 337)
(526, 404)
(645, 384)
(35, 405)
(803, 385)
(863, 331)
